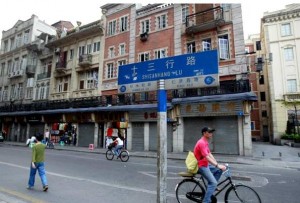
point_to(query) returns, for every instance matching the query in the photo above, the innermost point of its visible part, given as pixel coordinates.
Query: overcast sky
(89, 10)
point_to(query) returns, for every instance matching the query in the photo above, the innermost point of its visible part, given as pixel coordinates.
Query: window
(191, 47)
(12, 43)
(0, 94)
(71, 54)
(252, 125)
(13, 92)
(121, 63)
(247, 50)
(185, 12)
(124, 24)
(5, 46)
(145, 26)
(121, 49)
(89, 48)
(81, 50)
(9, 67)
(291, 85)
(88, 80)
(288, 54)
(110, 70)
(286, 29)
(19, 40)
(206, 44)
(162, 21)
(5, 94)
(62, 84)
(96, 46)
(261, 80)
(20, 91)
(111, 52)
(144, 57)
(2, 69)
(262, 96)
(26, 36)
(264, 113)
(161, 53)
(112, 28)
(223, 47)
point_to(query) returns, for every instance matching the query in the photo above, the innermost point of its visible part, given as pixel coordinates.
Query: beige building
(280, 36)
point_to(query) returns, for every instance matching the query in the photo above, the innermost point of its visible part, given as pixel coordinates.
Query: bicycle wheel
(189, 190)
(124, 156)
(241, 193)
(109, 154)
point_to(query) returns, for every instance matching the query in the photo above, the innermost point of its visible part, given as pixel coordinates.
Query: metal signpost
(179, 72)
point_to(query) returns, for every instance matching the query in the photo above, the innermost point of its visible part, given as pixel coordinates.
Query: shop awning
(246, 96)
(135, 107)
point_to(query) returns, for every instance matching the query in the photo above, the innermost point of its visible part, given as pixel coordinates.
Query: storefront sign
(212, 109)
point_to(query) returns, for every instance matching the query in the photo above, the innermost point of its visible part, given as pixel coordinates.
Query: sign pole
(162, 143)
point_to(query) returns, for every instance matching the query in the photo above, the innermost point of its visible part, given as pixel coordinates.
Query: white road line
(91, 181)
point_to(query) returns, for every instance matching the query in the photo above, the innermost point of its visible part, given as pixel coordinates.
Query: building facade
(260, 122)
(83, 92)
(281, 43)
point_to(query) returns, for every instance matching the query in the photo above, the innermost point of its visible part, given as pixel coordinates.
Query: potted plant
(287, 139)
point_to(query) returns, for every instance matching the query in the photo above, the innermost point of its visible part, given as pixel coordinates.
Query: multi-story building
(260, 123)
(130, 34)
(163, 30)
(280, 36)
(18, 66)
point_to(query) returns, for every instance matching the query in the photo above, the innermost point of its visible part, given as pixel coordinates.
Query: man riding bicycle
(118, 144)
(208, 166)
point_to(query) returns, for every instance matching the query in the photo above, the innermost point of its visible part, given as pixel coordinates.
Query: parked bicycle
(123, 154)
(192, 189)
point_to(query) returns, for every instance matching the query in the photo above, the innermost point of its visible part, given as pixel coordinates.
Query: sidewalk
(264, 154)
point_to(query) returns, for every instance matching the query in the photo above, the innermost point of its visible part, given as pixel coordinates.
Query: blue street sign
(179, 72)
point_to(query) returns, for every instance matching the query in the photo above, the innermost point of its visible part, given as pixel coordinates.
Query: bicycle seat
(186, 174)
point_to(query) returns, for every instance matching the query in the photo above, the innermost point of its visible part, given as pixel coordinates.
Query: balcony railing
(204, 20)
(30, 69)
(292, 97)
(85, 60)
(43, 75)
(228, 87)
(60, 66)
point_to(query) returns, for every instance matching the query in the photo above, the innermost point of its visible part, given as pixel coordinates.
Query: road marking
(20, 195)
(126, 187)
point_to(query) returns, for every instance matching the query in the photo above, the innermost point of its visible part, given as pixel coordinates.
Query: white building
(280, 35)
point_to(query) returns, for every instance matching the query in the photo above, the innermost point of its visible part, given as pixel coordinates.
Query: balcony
(18, 73)
(43, 75)
(204, 20)
(60, 66)
(30, 69)
(85, 60)
(292, 97)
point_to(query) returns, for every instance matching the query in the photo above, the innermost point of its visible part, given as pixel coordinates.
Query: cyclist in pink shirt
(208, 166)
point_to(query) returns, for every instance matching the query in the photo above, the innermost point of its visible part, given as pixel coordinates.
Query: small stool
(91, 146)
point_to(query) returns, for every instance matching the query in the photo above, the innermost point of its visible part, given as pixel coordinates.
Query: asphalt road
(85, 177)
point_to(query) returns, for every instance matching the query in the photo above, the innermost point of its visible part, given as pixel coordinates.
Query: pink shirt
(201, 150)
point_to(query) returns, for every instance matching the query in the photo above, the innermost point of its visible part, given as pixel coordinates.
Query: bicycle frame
(227, 179)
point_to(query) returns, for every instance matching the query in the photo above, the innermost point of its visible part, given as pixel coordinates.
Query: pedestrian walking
(38, 164)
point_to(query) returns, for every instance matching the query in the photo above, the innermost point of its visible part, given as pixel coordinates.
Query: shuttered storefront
(153, 137)
(85, 134)
(225, 138)
(137, 136)
(36, 128)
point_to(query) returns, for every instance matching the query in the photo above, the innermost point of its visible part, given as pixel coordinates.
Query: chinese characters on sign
(214, 108)
(185, 71)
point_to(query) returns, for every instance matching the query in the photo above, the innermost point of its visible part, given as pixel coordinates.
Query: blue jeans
(41, 169)
(118, 149)
(212, 175)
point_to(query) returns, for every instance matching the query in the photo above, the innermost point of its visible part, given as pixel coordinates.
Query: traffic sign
(179, 72)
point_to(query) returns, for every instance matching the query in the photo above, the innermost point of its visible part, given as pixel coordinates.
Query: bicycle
(190, 189)
(123, 154)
